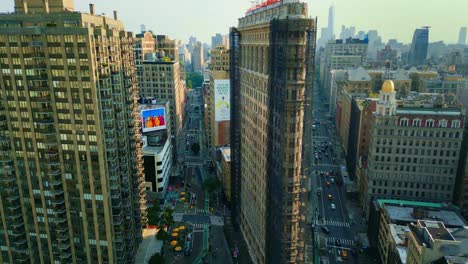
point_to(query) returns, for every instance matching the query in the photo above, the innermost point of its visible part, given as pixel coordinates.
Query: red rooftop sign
(264, 4)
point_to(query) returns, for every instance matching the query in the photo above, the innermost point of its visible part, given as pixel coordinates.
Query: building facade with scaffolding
(272, 59)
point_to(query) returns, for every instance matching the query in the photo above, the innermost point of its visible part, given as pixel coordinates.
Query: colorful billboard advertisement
(222, 90)
(153, 119)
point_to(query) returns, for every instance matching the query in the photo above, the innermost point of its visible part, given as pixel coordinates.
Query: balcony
(15, 216)
(61, 229)
(45, 110)
(117, 204)
(65, 255)
(53, 172)
(42, 99)
(5, 160)
(18, 232)
(40, 85)
(58, 194)
(58, 203)
(11, 191)
(49, 120)
(20, 242)
(63, 237)
(64, 246)
(116, 195)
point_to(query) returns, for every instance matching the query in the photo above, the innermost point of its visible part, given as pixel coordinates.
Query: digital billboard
(222, 95)
(153, 119)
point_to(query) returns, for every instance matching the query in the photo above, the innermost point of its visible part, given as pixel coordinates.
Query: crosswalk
(200, 211)
(346, 243)
(198, 226)
(337, 223)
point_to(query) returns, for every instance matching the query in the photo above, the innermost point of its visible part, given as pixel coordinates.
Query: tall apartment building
(71, 168)
(158, 78)
(218, 103)
(145, 43)
(415, 147)
(272, 55)
(340, 54)
(198, 57)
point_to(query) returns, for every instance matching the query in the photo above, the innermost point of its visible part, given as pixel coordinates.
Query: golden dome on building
(388, 86)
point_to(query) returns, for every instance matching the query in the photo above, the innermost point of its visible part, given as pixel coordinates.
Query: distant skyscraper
(328, 33)
(198, 57)
(418, 51)
(331, 21)
(347, 32)
(462, 36)
(216, 40)
(271, 77)
(72, 186)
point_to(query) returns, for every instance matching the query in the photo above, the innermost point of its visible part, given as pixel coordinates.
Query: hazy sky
(204, 18)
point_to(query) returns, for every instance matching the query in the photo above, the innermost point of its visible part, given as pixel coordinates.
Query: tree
(153, 214)
(162, 235)
(195, 148)
(156, 259)
(166, 217)
(211, 184)
(195, 79)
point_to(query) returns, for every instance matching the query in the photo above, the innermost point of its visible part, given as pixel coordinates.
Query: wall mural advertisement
(222, 89)
(153, 119)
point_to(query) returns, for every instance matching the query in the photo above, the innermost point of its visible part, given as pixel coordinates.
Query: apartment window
(456, 124)
(404, 122)
(430, 123)
(417, 122)
(443, 123)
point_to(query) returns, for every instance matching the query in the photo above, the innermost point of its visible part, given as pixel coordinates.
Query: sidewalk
(236, 240)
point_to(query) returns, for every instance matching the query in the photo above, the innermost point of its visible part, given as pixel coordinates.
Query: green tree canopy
(195, 79)
(153, 214)
(166, 217)
(211, 184)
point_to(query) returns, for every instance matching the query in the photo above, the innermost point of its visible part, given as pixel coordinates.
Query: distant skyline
(204, 18)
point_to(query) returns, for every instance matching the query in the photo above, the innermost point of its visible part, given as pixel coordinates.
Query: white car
(333, 206)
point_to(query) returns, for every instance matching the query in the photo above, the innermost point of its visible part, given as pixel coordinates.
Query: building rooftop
(408, 214)
(436, 230)
(452, 260)
(226, 152)
(358, 74)
(430, 103)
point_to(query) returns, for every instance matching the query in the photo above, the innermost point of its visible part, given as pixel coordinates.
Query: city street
(332, 224)
(209, 241)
